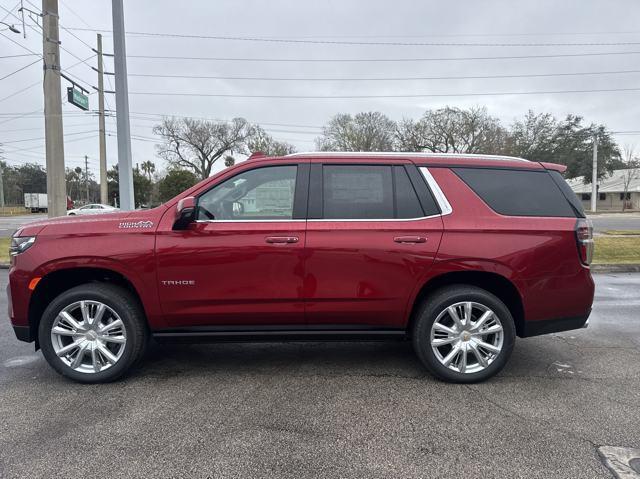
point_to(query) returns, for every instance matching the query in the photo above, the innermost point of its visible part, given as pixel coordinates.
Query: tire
(106, 348)
(473, 361)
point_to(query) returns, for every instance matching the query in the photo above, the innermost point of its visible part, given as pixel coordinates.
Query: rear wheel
(93, 333)
(464, 334)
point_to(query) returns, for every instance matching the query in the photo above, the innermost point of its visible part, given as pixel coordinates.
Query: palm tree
(149, 168)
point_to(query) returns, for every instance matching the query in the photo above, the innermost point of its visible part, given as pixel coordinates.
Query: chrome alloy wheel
(467, 337)
(88, 336)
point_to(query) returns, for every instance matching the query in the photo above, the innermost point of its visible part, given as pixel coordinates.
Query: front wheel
(464, 334)
(93, 333)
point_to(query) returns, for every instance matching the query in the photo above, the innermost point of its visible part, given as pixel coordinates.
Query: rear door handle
(281, 239)
(410, 239)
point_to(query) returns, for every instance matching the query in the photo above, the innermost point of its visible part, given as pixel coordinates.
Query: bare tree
(370, 131)
(452, 130)
(198, 144)
(260, 140)
(631, 171)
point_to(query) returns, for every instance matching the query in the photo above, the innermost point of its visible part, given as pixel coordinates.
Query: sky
(320, 41)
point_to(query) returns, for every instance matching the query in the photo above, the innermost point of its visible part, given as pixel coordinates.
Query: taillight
(584, 240)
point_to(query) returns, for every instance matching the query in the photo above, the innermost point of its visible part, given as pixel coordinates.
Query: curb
(615, 268)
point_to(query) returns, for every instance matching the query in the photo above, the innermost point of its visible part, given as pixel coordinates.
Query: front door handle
(281, 239)
(410, 239)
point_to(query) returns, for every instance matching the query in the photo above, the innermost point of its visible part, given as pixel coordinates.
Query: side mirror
(185, 213)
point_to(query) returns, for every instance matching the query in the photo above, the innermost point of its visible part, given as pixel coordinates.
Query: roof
(613, 183)
(396, 154)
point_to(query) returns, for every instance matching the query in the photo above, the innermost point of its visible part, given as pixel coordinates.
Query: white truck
(36, 202)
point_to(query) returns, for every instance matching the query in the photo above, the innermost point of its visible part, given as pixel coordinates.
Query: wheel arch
(494, 283)
(58, 281)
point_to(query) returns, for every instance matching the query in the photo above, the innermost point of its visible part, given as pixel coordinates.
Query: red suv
(457, 253)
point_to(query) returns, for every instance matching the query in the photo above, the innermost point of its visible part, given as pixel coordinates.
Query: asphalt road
(8, 224)
(611, 221)
(327, 410)
(616, 221)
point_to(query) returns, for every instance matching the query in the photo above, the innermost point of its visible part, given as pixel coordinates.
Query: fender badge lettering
(180, 282)
(135, 224)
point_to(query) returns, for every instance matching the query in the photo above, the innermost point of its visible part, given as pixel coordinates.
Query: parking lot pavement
(332, 409)
(615, 221)
(8, 224)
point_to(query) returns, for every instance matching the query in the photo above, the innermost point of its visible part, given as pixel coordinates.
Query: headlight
(20, 244)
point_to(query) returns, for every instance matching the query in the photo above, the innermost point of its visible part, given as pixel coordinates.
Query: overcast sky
(606, 26)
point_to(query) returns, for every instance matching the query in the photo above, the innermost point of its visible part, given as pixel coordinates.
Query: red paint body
(349, 273)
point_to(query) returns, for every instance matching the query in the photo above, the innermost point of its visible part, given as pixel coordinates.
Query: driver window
(260, 194)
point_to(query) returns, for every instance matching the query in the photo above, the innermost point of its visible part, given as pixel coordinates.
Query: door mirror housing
(185, 213)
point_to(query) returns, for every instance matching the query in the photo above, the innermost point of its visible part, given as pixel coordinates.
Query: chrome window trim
(438, 194)
(376, 220)
(249, 221)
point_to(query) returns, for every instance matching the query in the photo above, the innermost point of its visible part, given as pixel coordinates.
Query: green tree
(141, 186)
(175, 182)
(541, 137)
(149, 168)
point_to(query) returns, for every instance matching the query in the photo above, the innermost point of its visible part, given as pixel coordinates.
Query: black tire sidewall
(436, 304)
(117, 299)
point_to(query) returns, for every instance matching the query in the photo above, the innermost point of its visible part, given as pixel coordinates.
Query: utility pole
(86, 176)
(103, 142)
(594, 175)
(54, 140)
(1, 190)
(122, 109)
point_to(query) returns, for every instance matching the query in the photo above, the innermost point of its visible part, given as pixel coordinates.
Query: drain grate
(623, 462)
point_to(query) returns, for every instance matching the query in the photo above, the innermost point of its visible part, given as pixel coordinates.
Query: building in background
(611, 191)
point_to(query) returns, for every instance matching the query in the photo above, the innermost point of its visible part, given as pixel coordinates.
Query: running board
(195, 335)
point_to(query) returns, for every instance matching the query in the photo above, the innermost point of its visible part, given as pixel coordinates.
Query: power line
(169, 115)
(20, 55)
(372, 43)
(374, 60)
(20, 69)
(20, 91)
(42, 138)
(416, 95)
(464, 77)
(19, 44)
(422, 35)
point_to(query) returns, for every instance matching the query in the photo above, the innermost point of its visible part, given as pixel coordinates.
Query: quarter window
(259, 194)
(517, 192)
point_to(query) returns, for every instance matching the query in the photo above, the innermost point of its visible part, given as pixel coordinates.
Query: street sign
(77, 98)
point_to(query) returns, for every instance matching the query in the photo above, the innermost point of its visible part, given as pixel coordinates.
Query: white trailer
(36, 202)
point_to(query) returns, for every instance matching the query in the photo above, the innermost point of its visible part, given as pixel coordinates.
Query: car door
(372, 234)
(242, 261)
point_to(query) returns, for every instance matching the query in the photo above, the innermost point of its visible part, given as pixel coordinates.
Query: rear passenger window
(517, 192)
(357, 192)
(407, 203)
